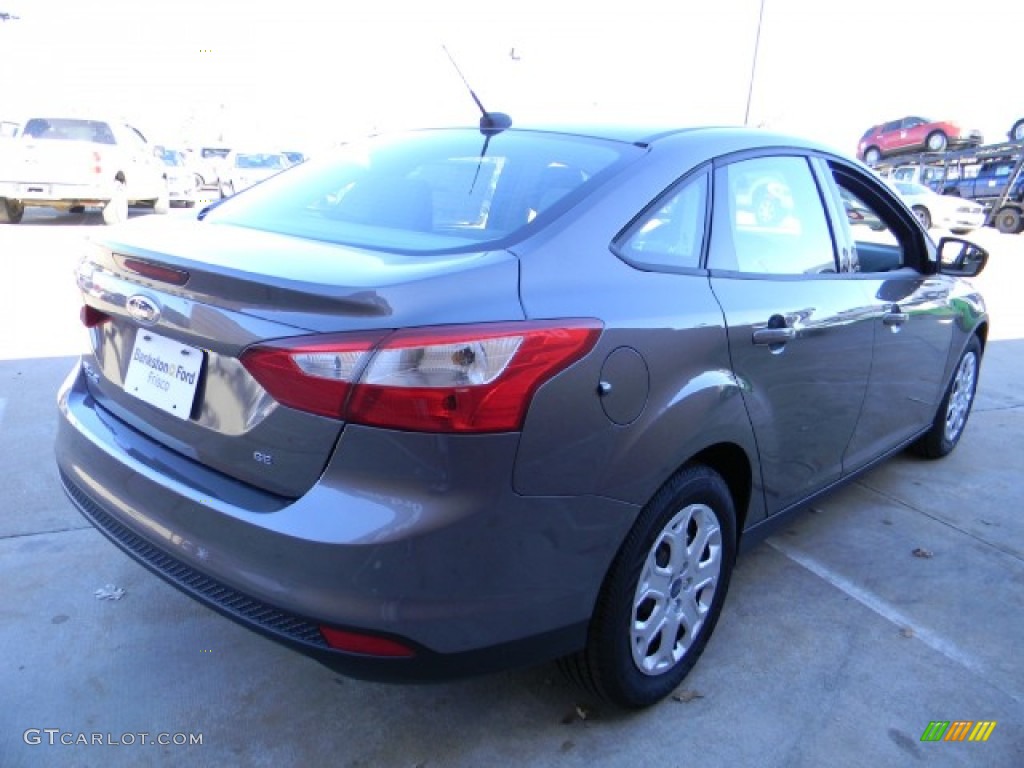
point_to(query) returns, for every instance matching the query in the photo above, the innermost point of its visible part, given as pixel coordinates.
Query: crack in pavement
(7, 536)
(937, 519)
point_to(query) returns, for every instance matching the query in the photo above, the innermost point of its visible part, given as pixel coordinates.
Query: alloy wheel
(961, 395)
(676, 587)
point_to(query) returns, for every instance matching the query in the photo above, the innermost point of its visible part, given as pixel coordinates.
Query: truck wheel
(11, 210)
(1009, 221)
(872, 155)
(923, 216)
(937, 141)
(162, 204)
(116, 210)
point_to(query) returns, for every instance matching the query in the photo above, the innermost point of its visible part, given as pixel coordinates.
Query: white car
(182, 182)
(945, 211)
(243, 169)
(71, 163)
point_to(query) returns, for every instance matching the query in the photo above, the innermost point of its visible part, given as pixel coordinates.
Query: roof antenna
(491, 123)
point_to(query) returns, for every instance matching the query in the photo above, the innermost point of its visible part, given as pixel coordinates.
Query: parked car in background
(931, 176)
(424, 410)
(912, 134)
(945, 211)
(182, 182)
(1016, 132)
(208, 162)
(71, 163)
(243, 169)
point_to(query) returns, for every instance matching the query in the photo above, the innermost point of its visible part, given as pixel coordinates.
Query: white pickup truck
(71, 163)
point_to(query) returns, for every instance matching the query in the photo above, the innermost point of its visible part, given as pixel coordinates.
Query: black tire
(872, 155)
(1009, 221)
(923, 216)
(1017, 131)
(955, 408)
(937, 141)
(11, 211)
(627, 661)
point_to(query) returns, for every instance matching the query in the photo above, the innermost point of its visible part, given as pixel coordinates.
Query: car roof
(719, 138)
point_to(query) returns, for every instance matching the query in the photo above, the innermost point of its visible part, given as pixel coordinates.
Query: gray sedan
(459, 400)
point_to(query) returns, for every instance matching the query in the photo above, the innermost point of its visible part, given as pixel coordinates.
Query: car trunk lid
(182, 313)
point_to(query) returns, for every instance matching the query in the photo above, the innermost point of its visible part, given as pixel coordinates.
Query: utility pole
(753, 66)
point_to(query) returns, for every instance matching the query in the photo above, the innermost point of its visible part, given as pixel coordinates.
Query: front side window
(672, 234)
(769, 219)
(881, 239)
(430, 191)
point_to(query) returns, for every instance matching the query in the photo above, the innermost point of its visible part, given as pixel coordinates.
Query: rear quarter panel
(690, 397)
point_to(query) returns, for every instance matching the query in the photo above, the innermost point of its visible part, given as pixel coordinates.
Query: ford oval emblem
(144, 309)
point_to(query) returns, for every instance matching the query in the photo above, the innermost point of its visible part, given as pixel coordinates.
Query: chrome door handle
(773, 335)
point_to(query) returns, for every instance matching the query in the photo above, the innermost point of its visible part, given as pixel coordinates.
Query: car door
(889, 136)
(910, 309)
(799, 336)
(913, 132)
(145, 177)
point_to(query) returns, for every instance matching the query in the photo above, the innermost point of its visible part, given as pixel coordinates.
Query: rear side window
(769, 219)
(671, 235)
(430, 191)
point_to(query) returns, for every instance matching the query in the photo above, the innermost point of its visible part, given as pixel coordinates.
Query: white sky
(305, 73)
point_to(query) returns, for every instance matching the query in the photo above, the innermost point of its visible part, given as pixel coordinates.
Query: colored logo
(958, 730)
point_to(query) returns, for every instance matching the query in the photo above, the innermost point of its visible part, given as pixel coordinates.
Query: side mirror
(961, 258)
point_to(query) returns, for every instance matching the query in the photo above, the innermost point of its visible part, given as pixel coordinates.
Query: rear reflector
(368, 645)
(478, 378)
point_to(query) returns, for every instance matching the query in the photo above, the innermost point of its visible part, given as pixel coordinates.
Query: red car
(913, 134)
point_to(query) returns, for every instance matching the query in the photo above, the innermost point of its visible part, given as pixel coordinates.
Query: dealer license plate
(164, 373)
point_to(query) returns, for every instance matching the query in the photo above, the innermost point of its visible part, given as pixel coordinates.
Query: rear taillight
(446, 379)
(91, 317)
(97, 163)
(312, 375)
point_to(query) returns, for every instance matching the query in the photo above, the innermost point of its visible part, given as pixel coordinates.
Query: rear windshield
(430, 191)
(68, 129)
(261, 161)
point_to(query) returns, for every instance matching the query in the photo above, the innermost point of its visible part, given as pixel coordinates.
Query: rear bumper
(416, 538)
(49, 193)
(962, 220)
